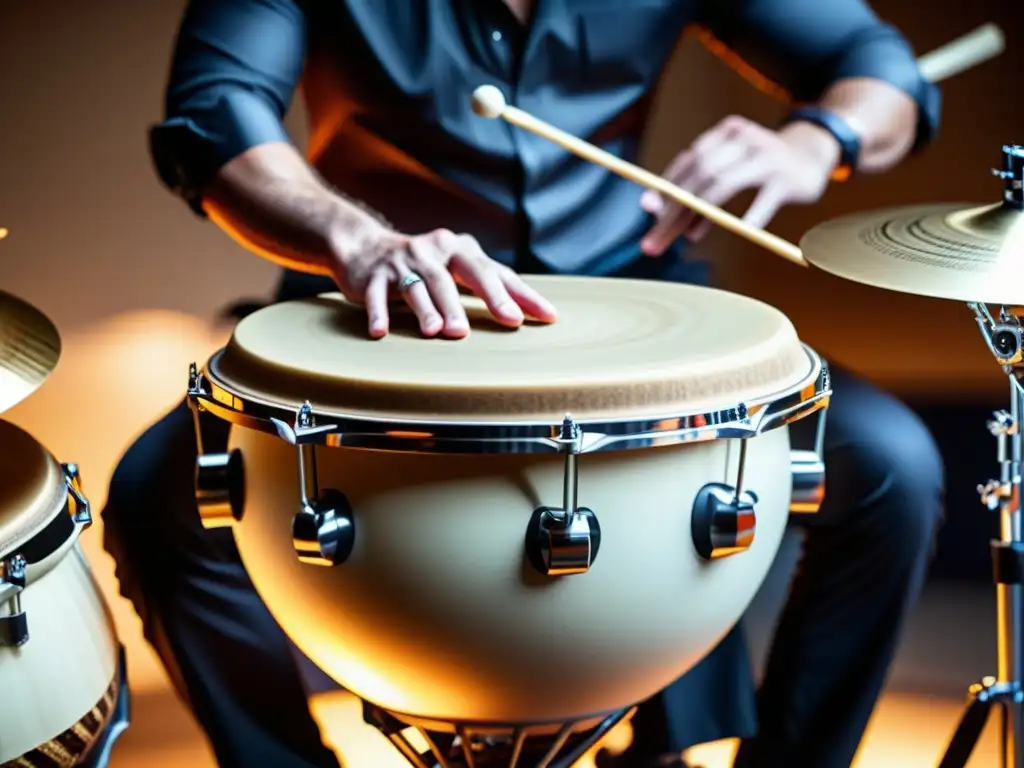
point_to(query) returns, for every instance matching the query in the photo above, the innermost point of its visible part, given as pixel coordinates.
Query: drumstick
(488, 101)
(951, 59)
(984, 43)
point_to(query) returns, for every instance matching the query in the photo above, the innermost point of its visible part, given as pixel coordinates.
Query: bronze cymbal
(960, 252)
(29, 349)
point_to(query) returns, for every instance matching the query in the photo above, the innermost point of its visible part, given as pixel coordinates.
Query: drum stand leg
(517, 748)
(1003, 691)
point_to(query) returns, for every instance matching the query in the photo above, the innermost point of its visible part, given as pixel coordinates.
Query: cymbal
(29, 349)
(960, 252)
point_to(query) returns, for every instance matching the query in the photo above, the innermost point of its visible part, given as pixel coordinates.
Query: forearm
(883, 116)
(840, 56)
(269, 200)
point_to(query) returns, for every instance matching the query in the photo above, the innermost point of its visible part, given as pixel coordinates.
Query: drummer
(407, 193)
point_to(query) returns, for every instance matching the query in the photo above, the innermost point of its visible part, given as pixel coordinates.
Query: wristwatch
(849, 141)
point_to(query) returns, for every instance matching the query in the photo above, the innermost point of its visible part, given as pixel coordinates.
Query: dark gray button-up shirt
(387, 85)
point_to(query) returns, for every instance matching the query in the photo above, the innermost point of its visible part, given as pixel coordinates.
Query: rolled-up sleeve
(234, 72)
(807, 45)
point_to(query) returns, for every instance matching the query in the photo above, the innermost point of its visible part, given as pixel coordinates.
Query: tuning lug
(560, 544)
(323, 532)
(13, 580)
(723, 522)
(808, 472)
(220, 488)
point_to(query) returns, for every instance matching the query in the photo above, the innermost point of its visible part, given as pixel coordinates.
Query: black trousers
(864, 559)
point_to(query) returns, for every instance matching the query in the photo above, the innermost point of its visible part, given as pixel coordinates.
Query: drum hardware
(81, 515)
(723, 521)
(208, 395)
(220, 488)
(975, 255)
(808, 470)
(323, 530)
(562, 541)
(14, 568)
(556, 544)
(493, 746)
(1003, 337)
(220, 476)
(1002, 334)
(13, 580)
(807, 467)
(1012, 174)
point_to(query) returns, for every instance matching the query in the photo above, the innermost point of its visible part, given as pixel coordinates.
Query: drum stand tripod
(1006, 690)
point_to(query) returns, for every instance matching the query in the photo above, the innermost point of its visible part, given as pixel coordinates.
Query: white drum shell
(437, 613)
(62, 672)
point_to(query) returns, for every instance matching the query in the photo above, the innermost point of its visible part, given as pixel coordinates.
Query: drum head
(32, 490)
(619, 348)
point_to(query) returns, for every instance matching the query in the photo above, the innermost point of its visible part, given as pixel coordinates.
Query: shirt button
(496, 36)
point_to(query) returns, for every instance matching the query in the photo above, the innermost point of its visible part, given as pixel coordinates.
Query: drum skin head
(32, 490)
(619, 348)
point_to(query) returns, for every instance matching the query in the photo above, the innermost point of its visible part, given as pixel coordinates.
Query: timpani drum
(523, 529)
(64, 696)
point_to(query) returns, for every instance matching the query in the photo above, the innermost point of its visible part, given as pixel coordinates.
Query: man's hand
(792, 165)
(381, 264)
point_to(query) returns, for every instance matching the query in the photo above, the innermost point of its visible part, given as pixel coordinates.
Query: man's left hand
(791, 165)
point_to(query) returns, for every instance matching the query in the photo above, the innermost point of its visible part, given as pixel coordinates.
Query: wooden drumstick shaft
(489, 102)
(984, 43)
(963, 53)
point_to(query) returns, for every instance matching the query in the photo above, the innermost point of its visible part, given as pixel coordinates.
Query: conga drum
(63, 694)
(509, 540)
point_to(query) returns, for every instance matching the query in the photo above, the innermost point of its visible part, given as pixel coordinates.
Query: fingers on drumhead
(375, 301)
(418, 299)
(529, 299)
(427, 271)
(429, 262)
(482, 277)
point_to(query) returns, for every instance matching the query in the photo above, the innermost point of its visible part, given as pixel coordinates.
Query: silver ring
(409, 281)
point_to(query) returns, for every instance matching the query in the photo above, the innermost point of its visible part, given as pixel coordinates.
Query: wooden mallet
(967, 51)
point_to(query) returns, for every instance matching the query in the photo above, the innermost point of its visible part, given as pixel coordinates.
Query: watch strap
(849, 141)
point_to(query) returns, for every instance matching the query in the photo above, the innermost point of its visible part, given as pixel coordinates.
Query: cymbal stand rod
(1010, 596)
(1005, 338)
(1005, 341)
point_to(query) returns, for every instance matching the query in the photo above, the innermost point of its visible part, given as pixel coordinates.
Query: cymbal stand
(1003, 334)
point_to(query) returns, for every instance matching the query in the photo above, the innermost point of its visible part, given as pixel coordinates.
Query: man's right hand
(384, 264)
